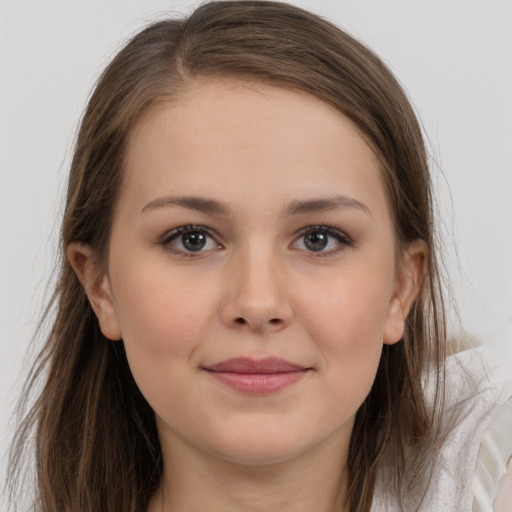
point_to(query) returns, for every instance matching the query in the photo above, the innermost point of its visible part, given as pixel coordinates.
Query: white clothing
(473, 458)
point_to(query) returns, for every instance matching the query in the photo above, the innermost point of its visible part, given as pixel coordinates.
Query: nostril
(241, 321)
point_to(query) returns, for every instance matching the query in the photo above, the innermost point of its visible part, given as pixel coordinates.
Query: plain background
(454, 58)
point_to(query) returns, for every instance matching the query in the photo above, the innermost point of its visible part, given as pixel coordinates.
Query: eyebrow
(297, 207)
(325, 204)
(200, 204)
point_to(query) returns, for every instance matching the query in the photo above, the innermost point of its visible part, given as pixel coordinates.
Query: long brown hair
(96, 443)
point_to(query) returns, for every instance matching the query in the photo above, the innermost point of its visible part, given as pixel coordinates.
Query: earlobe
(96, 284)
(408, 284)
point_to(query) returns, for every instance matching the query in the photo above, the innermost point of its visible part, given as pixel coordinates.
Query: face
(252, 271)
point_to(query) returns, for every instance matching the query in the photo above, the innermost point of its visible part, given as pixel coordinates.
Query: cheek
(347, 320)
(163, 323)
(349, 343)
(164, 319)
(161, 309)
(348, 312)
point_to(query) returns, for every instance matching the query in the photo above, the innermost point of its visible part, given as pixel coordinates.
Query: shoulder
(492, 483)
(477, 422)
(476, 443)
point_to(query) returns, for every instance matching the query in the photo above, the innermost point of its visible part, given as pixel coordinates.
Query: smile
(257, 377)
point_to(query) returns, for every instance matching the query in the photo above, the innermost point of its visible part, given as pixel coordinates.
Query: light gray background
(453, 56)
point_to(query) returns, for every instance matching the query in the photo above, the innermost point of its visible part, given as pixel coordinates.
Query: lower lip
(258, 383)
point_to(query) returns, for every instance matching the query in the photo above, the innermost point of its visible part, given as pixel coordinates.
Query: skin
(255, 290)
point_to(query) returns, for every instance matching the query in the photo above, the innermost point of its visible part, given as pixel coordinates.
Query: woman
(249, 315)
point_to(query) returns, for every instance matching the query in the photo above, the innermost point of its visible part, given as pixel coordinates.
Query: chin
(263, 446)
(256, 455)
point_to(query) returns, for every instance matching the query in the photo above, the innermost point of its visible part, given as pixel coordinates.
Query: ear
(97, 286)
(410, 270)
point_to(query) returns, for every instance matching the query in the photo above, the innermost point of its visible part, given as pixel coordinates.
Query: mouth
(257, 377)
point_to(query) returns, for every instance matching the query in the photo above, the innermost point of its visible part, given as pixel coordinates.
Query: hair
(96, 442)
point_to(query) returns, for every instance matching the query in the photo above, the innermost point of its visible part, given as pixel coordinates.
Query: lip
(257, 376)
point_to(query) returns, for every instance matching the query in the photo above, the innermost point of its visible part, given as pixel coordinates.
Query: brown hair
(96, 441)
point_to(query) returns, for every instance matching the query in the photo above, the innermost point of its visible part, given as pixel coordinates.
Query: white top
(473, 459)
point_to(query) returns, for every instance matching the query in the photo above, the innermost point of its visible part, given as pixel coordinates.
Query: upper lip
(247, 365)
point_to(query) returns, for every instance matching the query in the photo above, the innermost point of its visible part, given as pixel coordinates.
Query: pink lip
(251, 376)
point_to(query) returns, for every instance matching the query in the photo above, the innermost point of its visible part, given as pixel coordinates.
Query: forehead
(250, 139)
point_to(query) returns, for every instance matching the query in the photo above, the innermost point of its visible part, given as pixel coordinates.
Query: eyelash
(184, 230)
(342, 239)
(331, 232)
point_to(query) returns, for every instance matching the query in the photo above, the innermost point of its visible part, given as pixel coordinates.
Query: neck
(313, 481)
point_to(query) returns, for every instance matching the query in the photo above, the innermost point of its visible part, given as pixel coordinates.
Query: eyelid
(173, 234)
(340, 236)
(330, 230)
(336, 233)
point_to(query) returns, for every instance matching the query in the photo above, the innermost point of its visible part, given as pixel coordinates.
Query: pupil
(193, 241)
(316, 241)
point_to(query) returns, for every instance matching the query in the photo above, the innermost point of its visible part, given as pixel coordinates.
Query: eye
(190, 239)
(321, 239)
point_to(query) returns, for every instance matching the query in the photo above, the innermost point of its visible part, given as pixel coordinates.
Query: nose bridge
(256, 296)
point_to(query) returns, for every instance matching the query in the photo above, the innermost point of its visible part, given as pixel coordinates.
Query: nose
(256, 297)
